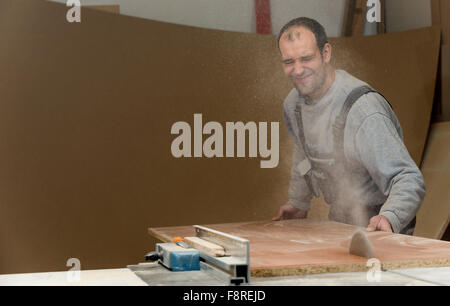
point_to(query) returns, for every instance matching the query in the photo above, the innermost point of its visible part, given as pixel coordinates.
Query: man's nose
(298, 68)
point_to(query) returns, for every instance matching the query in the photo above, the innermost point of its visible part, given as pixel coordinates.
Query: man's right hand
(290, 212)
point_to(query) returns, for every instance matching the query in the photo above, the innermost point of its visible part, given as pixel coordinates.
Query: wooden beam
(262, 12)
(435, 12)
(381, 26)
(115, 9)
(355, 18)
(348, 18)
(355, 14)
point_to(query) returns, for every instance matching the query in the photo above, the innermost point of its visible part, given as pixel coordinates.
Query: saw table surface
(297, 247)
(154, 274)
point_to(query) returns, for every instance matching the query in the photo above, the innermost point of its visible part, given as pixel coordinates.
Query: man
(348, 143)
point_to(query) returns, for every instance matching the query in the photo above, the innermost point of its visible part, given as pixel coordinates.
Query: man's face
(302, 61)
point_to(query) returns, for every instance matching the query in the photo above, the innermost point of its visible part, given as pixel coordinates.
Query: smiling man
(348, 143)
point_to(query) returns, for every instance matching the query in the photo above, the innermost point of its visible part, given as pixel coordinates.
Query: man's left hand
(379, 223)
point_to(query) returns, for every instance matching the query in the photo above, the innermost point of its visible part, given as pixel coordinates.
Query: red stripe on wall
(262, 10)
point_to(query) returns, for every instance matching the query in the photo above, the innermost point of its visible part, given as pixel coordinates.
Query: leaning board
(295, 247)
(434, 214)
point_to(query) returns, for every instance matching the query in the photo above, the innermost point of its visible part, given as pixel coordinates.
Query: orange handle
(176, 239)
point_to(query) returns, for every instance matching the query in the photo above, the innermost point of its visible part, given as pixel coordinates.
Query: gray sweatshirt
(385, 179)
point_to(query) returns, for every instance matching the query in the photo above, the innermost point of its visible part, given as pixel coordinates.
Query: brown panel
(348, 18)
(319, 209)
(86, 112)
(434, 215)
(306, 247)
(445, 82)
(105, 8)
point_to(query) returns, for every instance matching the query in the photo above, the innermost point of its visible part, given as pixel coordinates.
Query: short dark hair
(310, 24)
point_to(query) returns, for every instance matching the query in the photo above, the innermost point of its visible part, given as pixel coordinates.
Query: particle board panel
(295, 247)
(434, 214)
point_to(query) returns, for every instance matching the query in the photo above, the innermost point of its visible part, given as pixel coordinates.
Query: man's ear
(326, 53)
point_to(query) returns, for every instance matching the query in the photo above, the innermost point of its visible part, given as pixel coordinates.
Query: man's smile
(301, 79)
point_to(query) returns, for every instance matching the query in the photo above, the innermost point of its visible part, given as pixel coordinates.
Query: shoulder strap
(306, 172)
(301, 133)
(354, 95)
(341, 119)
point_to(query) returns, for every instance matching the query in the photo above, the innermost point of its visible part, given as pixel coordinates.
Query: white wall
(330, 13)
(232, 15)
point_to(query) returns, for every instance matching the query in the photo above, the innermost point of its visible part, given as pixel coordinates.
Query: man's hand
(379, 223)
(290, 212)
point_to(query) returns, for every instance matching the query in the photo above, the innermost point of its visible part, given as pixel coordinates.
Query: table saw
(291, 252)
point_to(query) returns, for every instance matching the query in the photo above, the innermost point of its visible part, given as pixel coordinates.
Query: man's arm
(384, 155)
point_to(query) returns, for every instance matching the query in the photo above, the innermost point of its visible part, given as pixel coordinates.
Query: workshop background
(86, 110)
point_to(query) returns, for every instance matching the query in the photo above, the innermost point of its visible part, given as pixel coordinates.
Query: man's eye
(289, 62)
(306, 59)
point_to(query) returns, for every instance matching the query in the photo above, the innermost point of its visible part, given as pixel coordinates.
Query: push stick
(205, 246)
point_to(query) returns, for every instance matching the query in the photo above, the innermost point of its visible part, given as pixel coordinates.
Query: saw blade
(360, 245)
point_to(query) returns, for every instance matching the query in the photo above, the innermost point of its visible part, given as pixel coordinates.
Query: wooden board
(444, 7)
(434, 214)
(115, 9)
(440, 16)
(294, 247)
(435, 12)
(381, 26)
(355, 14)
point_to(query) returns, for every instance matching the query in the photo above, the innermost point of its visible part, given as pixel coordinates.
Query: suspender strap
(341, 119)
(354, 95)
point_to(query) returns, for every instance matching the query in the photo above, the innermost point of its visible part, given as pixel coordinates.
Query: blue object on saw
(175, 258)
